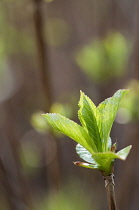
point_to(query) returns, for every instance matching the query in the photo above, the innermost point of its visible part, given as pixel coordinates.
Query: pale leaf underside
(102, 161)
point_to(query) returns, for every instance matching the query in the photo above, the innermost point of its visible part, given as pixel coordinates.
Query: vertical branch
(53, 168)
(42, 53)
(8, 191)
(127, 183)
(16, 196)
(135, 55)
(109, 184)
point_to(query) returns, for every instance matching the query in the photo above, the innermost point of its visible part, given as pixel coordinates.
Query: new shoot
(93, 137)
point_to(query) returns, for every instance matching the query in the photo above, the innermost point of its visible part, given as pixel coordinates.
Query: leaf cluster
(93, 135)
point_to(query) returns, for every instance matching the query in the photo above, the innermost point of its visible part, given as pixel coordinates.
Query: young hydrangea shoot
(93, 135)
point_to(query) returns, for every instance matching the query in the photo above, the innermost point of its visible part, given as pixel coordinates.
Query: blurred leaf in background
(63, 109)
(40, 124)
(30, 157)
(37, 151)
(13, 41)
(48, 1)
(57, 32)
(104, 59)
(16, 42)
(70, 197)
(129, 108)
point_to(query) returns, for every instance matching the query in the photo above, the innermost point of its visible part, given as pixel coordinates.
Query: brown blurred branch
(42, 49)
(15, 186)
(127, 183)
(8, 192)
(135, 54)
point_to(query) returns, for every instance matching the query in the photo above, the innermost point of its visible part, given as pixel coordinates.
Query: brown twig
(45, 77)
(42, 50)
(109, 184)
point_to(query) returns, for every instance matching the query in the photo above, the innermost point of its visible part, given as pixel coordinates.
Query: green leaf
(107, 113)
(93, 137)
(87, 116)
(105, 160)
(124, 152)
(71, 129)
(84, 154)
(85, 165)
(102, 161)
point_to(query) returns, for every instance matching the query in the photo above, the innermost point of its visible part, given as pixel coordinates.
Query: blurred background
(49, 51)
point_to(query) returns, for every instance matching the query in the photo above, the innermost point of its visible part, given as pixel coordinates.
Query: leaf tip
(124, 152)
(81, 93)
(81, 97)
(130, 147)
(125, 90)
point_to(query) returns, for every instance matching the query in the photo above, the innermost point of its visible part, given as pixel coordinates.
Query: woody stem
(109, 185)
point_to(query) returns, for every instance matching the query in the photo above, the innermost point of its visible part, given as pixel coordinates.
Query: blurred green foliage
(13, 40)
(16, 42)
(129, 108)
(104, 59)
(63, 109)
(48, 0)
(57, 32)
(30, 157)
(70, 197)
(40, 124)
